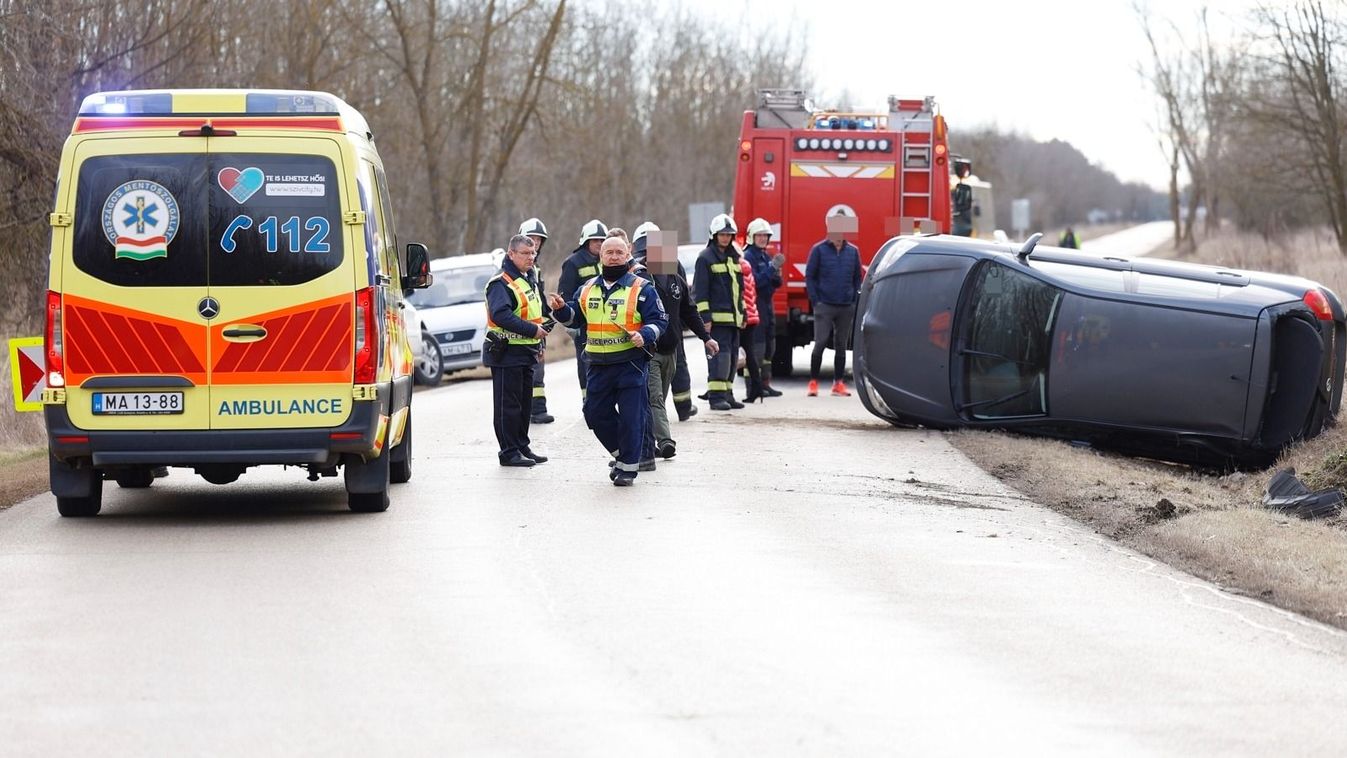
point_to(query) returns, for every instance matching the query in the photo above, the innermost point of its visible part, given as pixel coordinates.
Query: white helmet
(722, 223)
(643, 230)
(593, 230)
(758, 226)
(498, 257)
(534, 227)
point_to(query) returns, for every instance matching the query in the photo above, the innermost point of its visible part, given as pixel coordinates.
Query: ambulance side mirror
(418, 267)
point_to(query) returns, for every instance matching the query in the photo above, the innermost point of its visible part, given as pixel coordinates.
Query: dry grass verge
(1211, 526)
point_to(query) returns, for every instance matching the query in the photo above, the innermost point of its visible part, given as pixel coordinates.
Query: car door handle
(244, 333)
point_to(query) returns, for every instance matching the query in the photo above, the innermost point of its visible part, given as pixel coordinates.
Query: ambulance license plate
(137, 403)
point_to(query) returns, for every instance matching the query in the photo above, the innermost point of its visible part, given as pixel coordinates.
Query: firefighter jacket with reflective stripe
(676, 298)
(611, 312)
(578, 268)
(514, 309)
(718, 286)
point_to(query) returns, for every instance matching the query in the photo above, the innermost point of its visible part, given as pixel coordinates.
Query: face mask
(613, 273)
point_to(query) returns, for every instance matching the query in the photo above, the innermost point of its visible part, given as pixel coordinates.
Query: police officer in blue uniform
(535, 230)
(623, 319)
(515, 314)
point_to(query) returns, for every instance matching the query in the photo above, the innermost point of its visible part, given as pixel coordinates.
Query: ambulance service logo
(140, 218)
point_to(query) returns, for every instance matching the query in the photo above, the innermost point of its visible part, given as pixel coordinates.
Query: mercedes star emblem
(209, 308)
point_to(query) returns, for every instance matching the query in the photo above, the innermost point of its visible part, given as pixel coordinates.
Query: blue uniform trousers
(617, 408)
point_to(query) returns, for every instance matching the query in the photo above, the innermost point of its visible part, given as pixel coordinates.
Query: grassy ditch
(1211, 526)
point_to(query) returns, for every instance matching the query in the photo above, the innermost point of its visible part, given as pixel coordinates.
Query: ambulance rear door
(133, 282)
(281, 274)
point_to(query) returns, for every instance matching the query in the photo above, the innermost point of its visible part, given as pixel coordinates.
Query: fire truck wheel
(783, 364)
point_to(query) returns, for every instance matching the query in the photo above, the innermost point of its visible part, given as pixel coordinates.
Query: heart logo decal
(241, 185)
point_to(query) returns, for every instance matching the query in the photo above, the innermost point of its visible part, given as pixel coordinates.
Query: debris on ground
(1287, 494)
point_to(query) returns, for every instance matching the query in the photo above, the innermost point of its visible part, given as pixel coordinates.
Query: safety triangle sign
(27, 372)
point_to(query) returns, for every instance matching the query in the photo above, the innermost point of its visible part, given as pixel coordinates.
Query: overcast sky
(1050, 68)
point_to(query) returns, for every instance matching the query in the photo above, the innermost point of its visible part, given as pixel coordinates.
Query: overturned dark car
(1177, 361)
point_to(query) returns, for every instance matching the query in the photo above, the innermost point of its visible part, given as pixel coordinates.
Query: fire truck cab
(798, 165)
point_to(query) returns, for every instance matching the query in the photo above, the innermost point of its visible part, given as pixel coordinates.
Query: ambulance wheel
(400, 464)
(367, 502)
(367, 482)
(78, 490)
(138, 478)
(430, 366)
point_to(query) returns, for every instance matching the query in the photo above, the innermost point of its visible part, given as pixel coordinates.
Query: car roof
(467, 260)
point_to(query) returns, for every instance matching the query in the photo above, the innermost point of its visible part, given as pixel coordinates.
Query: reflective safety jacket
(611, 312)
(718, 286)
(578, 268)
(514, 309)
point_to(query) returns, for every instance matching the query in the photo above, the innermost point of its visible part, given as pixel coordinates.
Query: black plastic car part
(1287, 494)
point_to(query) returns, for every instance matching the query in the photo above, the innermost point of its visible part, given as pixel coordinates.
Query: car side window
(1007, 342)
(390, 242)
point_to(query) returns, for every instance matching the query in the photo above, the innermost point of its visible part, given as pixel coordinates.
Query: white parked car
(452, 314)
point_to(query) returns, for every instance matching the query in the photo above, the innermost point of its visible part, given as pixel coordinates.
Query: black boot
(735, 404)
(755, 392)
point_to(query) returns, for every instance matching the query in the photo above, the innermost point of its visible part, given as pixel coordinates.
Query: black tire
(367, 502)
(400, 462)
(430, 366)
(367, 481)
(134, 479)
(82, 507)
(78, 490)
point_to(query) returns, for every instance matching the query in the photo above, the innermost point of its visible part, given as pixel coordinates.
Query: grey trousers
(834, 321)
(662, 369)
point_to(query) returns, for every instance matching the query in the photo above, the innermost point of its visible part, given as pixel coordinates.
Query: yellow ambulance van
(225, 292)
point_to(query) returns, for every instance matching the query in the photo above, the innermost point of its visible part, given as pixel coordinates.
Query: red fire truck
(798, 165)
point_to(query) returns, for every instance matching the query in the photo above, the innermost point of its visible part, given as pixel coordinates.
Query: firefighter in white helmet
(718, 292)
(581, 266)
(535, 230)
(767, 279)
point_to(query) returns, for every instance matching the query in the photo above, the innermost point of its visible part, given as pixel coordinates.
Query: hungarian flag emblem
(140, 218)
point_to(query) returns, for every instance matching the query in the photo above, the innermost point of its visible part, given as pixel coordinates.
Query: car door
(281, 278)
(132, 284)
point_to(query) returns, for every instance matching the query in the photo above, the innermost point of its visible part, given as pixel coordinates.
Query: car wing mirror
(418, 268)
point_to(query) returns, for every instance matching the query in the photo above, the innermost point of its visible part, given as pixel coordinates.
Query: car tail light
(52, 346)
(366, 337)
(1318, 305)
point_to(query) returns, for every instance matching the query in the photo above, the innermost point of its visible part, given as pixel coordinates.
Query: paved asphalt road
(801, 580)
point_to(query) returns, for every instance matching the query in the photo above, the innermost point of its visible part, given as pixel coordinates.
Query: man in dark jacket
(718, 286)
(767, 279)
(515, 313)
(833, 280)
(580, 267)
(661, 268)
(623, 318)
(535, 230)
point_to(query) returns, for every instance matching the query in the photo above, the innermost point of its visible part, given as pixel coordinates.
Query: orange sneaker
(840, 389)
(813, 388)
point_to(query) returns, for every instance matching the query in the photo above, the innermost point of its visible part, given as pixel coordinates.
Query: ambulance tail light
(52, 346)
(366, 337)
(1318, 305)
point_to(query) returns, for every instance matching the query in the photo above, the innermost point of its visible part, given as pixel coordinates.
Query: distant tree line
(1063, 187)
(1252, 120)
(486, 113)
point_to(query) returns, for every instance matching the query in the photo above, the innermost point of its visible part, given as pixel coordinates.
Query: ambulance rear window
(274, 219)
(140, 221)
(192, 219)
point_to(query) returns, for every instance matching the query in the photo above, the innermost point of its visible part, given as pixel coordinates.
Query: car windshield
(455, 287)
(1007, 343)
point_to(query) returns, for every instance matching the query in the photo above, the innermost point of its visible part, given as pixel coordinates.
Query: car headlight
(847, 144)
(801, 143)
(813, 143)
(884, 145)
